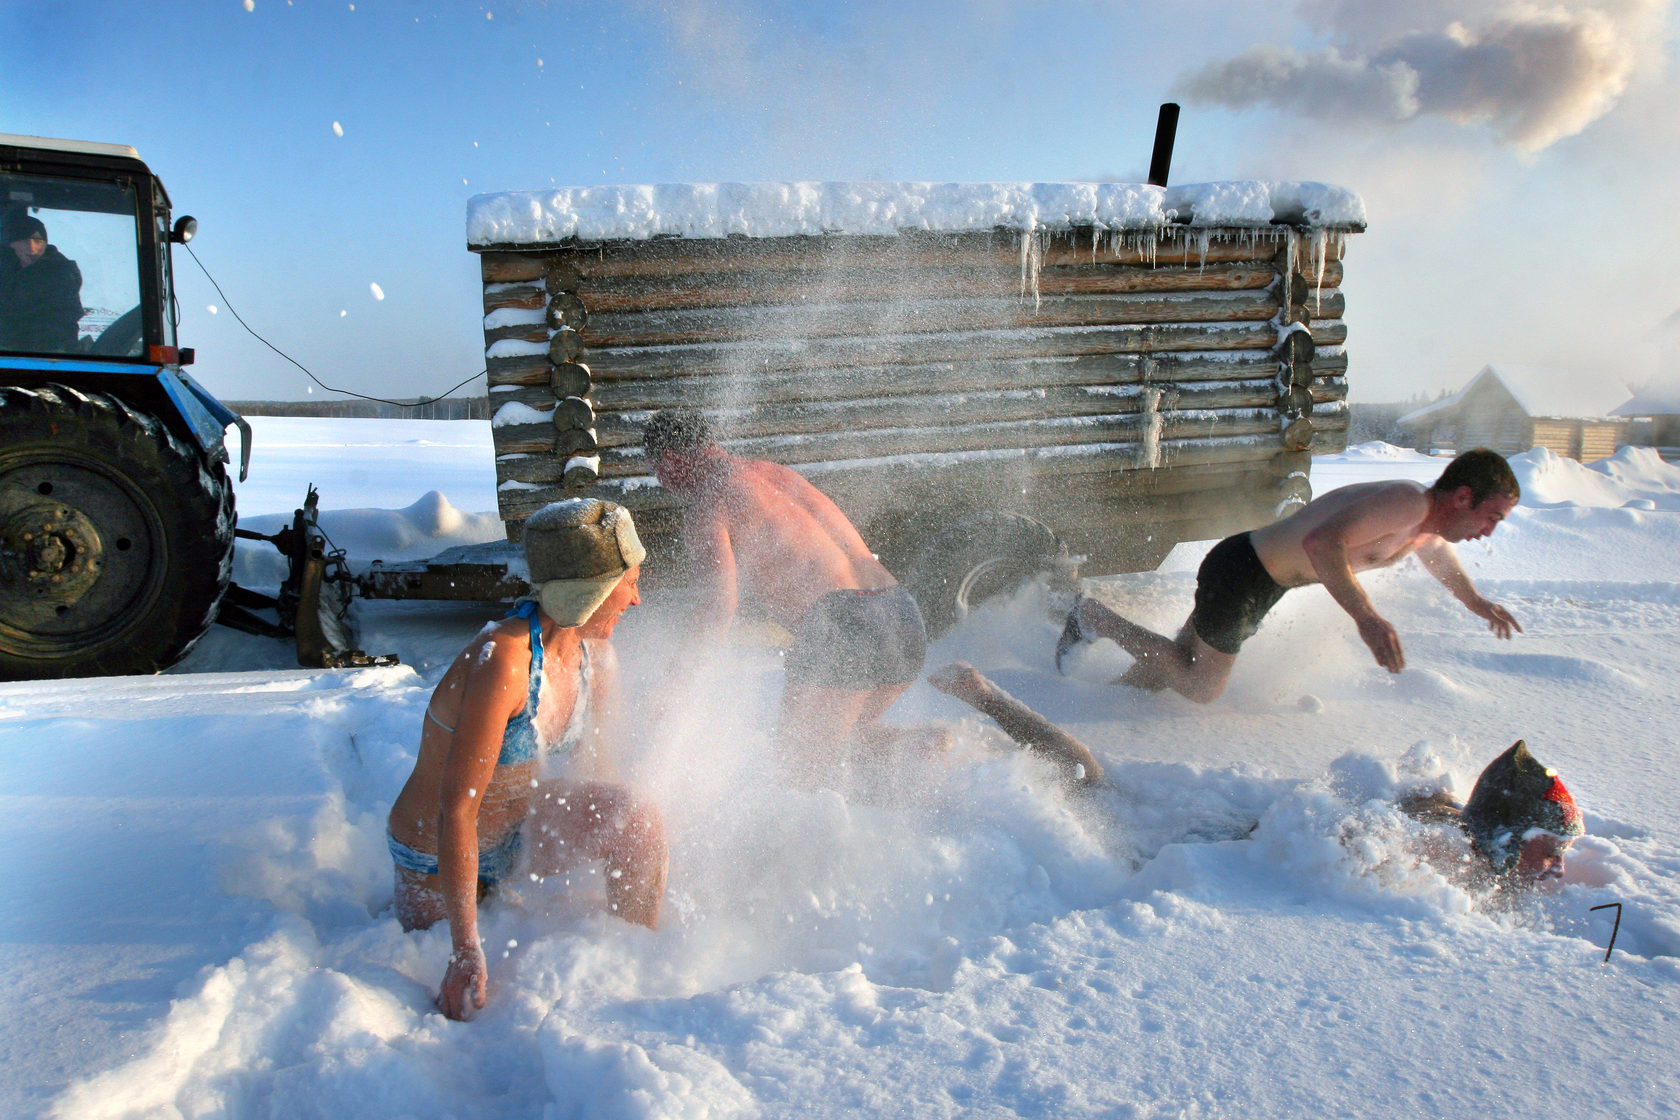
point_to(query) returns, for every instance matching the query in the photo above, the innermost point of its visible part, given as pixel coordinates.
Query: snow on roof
(1660, 399)
(1538, 391)
(789, 209)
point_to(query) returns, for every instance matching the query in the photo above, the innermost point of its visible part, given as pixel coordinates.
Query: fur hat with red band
(1514, 795)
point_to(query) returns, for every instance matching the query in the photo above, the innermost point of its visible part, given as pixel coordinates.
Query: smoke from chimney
(1532, 74)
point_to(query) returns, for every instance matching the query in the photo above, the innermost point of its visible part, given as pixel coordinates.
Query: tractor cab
(116, 512)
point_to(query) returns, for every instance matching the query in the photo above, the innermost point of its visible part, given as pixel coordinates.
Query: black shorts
(1233, 593)
(859, 640)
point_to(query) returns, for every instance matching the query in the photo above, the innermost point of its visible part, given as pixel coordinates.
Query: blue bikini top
(519, 742)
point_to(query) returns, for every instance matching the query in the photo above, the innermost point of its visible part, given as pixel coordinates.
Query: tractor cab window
(69, 267)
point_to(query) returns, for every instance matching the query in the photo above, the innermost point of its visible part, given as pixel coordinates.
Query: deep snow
(1240, 927)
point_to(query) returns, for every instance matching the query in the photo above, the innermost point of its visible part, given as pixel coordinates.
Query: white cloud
(1532, 74)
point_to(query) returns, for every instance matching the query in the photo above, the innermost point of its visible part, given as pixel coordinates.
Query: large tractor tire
(116, 539)
(978, 556)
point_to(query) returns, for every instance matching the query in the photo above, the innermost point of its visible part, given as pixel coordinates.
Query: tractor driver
(40, 289)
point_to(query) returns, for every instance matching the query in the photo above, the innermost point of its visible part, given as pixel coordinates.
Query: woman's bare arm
(494, 692)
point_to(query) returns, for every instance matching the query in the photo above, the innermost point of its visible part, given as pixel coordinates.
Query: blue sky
(1517, 168)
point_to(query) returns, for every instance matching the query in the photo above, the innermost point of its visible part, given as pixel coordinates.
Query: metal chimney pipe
(1166, 129)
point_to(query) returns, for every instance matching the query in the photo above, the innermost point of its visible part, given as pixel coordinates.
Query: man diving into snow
(758, 528)
(1349, 530)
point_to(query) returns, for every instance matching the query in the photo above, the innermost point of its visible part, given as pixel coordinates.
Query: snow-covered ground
(1240, 927)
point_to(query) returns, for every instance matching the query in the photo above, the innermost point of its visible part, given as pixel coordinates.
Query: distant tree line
(1366, 422)
(445, 408)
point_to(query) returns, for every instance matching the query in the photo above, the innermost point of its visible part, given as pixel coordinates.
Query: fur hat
(1515, 794)
(577, 550)
(18, 224)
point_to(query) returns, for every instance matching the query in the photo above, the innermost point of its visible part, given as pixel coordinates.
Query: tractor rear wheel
(116, 539)
(979, 555)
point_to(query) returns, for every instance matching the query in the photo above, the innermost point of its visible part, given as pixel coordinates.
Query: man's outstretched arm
(1442, 562)
(1389, 513)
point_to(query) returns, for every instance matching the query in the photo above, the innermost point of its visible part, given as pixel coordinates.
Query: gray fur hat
(577, 550)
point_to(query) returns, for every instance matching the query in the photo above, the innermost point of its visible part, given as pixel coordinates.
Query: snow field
(1241, 926)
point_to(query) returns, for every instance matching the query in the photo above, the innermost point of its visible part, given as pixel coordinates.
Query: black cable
(422, 402)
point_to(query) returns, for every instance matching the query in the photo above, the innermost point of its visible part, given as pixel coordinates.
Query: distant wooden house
(1514, 408)
(1654, 412)
(1653, 416)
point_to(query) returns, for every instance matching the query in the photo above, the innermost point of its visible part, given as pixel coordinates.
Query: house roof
(1660, 399)
(1539, 391)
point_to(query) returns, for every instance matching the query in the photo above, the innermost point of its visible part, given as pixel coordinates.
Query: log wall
(1118, 389)
(1587, 441)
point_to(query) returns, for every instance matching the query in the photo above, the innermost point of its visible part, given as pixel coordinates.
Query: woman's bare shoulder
(499, 649)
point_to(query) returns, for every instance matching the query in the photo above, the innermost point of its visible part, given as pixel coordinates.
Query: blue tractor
(116, 509)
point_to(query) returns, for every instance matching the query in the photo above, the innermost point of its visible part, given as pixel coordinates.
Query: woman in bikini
(531, 696)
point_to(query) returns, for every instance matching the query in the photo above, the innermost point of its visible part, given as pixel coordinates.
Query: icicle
(1153, 423)
(1032, 259)
(1319, 256)
(1026, 238)
(1041, 239)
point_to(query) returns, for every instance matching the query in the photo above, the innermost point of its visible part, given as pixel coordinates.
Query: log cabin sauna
(987, 378)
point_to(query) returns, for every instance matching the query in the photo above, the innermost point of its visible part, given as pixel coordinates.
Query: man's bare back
(789, 544)
(758, 531)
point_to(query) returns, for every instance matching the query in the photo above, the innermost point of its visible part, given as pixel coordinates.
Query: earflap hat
(577, 550)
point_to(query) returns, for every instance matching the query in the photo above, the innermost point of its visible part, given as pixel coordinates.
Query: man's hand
(1383, 641)
(463, 983)
(1498, 618)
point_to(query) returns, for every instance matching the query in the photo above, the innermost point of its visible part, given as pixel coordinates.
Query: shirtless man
(1349, 530)
(757, 529)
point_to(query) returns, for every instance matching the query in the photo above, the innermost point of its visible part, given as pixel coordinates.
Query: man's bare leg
(1018, 721)
(823, 729)
(813, 733)
(875, 737)
(1187, 664)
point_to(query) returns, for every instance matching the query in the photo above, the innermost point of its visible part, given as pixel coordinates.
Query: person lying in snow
(536, 685)
(760, 531)
(1349, 530)
(1520, 818)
